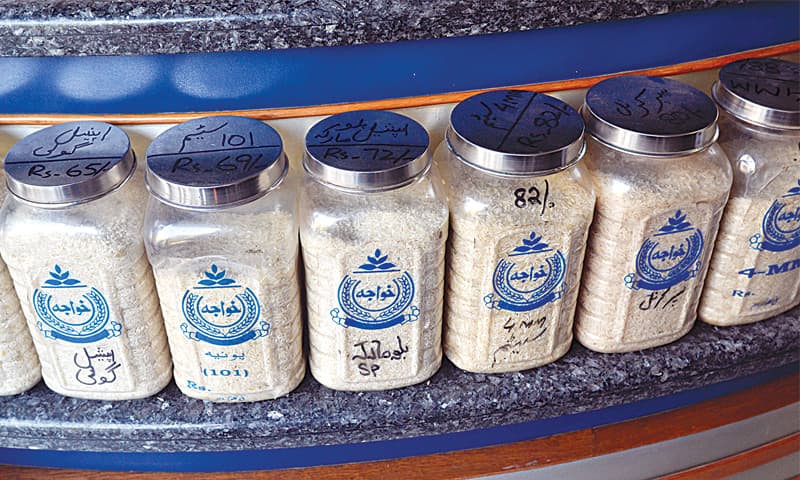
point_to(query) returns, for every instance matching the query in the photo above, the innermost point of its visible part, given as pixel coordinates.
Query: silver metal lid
(215, 162)
(367, 150)
(764, 91)
(69, 163)
(516, 132)
(650, 115)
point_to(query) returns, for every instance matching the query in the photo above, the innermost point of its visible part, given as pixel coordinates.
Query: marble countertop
(128, 27)
(452, 401)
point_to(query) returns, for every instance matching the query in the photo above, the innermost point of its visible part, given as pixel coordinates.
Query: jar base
(20, 387)
(333, 384)
(474, 367)
(732, 320)
(603, 345)
(234, 397)
(153, 388)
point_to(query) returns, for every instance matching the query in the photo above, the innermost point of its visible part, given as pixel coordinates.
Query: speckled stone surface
(451, 401)
(126, 27)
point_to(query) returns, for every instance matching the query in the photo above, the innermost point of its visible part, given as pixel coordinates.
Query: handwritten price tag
(516, 121)
(651, 105)
(67, 154)
(367, 141)
(214, 150)
(769, 82)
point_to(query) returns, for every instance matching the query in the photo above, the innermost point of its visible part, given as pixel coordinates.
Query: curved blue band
(317, 76)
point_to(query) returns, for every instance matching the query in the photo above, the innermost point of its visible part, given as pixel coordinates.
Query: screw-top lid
(516, 132)
(764, 91)
(367, 150)
(215, 161)
(69, 163)
(650, 115)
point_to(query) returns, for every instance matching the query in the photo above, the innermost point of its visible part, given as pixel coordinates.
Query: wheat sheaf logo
(529, 276)
(69, 310)
(376, 295)
(668, 257)
(220, 311)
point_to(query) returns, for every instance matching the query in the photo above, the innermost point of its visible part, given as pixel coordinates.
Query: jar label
(71, 313)
(375, 296)
(234, 327)
(524, 313)
(668, 257)
(219, 311)
(780, 228)
(529, 276)
(764, 278)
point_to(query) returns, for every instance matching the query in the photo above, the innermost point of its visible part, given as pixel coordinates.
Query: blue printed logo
(71, 311)
(530, 276)
(221, 312)
(669, 257)
(377, 295)
(780, 228)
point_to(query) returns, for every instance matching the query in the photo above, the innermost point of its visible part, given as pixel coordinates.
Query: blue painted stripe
(316, 76)
(280, 458)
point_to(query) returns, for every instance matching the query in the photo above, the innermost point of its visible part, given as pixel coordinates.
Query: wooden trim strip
(741, 462)
(698, 418)
(278, 113)
(525, 455)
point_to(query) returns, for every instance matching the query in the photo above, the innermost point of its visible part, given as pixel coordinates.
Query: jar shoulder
(415, 208)
(113, 220)
(243, 233)
(474, 194)
(765, 163)
(644, 182)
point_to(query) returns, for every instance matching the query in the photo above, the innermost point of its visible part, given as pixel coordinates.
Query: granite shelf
(89, 27)
(452, 401)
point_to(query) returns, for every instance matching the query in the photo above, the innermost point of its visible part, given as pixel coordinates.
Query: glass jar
(19, 364)
(221, 235)
(520, 207)
(373, 230)
(755, 269)
(71, 236)
(661, 184)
